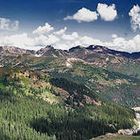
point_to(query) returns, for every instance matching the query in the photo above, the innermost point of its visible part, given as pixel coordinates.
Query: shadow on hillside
(71, 129)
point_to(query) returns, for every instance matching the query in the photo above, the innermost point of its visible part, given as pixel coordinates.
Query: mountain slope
(40, 106)
(85, 64)
(75, 94)
(99, 56)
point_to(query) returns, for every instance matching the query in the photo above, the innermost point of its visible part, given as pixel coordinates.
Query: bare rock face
(128, 132)
(51, 51)
(42, 51)
(136, 129)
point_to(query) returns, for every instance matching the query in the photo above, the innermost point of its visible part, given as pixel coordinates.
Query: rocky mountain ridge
(78, 51)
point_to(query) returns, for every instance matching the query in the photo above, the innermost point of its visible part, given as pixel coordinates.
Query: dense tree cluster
(34, 119)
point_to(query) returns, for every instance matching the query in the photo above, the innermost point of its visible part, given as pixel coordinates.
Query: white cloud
(43, 40)
(107, 13)
(7, 24)
(40, 40)
(61, 31)
(25, 41)
(62, 40)
(86, 41)
(122, 44)
(70, 37)
(52, 39)
(117, 43)
(19, 40)
(62, 45)
(114, 36)
(43, 29)
(69, 40)
(83, 15)
(135, 17)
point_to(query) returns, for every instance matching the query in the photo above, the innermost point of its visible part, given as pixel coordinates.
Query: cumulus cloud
(19, 40)
(107, 13)
(69, 40)
(61, 39)
(83, 15)
(40, 40)
(116, 43)
(61, 31)
(122, 44)
(43, 40)
(114, 36)
(70, 37)
(43, 29)
(7, 24)
(86, 41)
(135, 17)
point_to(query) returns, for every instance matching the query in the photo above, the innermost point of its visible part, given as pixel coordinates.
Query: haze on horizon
(32, 24)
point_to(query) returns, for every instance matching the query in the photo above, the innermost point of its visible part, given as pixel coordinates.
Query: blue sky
(30, 14)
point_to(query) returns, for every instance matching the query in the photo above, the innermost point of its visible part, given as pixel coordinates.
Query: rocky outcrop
(136, 129)
(129, 132)
(51, 51)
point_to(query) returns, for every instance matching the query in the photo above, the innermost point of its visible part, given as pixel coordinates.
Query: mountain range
(62, 94)
(96, 55)
(50, 50)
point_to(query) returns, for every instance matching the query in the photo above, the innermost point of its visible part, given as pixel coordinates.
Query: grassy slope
(105, 84)
(128, 67)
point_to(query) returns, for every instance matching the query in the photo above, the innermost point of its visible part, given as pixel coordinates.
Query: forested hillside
(63, 98)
